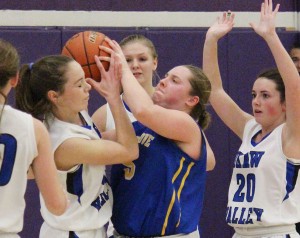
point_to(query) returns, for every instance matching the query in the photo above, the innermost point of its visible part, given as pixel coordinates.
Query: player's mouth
(137, 74)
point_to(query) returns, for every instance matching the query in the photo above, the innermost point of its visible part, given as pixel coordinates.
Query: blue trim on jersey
(87, 126)
(73, 235)
(291, 177)
(10, 145)
(74, 182)
(253, 143)
(97, 131)
(126, 106)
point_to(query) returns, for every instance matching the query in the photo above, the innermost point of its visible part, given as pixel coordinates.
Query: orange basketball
(82, 47)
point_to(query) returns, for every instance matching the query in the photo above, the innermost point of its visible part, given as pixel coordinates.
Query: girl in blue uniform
(161, 193)
(142, 59)
(264, 193)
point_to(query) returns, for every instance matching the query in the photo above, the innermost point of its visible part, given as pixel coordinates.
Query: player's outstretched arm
(266, 28)
(225, 107)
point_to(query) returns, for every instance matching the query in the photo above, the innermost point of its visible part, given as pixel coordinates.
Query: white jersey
(110, 123)
(265, 187)
(17, 150)
(86, 185)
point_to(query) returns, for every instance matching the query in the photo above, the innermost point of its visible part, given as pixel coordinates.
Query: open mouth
(257, 112)
(137, 74)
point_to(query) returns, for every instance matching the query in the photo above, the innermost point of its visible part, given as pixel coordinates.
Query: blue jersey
(160, 193)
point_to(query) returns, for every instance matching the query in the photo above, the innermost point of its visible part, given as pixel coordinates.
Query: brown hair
(201, 87)
(142, 39)
(146, 42)
(9, 65)
(274, 75)
(36, 80)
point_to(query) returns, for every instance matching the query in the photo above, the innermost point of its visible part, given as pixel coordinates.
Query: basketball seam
(84, 65)
(99, 52)
(70, 52)
(86, 56)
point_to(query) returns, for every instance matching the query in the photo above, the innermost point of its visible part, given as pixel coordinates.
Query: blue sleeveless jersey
(160, 193)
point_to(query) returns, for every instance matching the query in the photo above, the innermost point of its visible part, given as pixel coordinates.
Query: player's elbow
(58, 207)
(133, 153)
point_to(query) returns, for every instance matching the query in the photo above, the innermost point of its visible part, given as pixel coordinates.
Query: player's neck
(2, 98)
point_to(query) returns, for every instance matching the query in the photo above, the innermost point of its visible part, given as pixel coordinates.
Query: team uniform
(87, 189)
(18, 149)
(264, 192)
(160, 193)
(110, 123)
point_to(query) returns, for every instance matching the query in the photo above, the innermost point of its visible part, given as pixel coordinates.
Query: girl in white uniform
(264, 193)
(24, 143)
(59, 92)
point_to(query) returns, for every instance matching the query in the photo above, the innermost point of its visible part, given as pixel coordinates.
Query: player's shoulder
(101, 111)
(11, 115)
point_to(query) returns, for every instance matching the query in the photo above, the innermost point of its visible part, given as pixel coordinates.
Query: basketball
(82, 47)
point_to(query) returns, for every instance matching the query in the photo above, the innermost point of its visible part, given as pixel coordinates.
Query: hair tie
(30, 65)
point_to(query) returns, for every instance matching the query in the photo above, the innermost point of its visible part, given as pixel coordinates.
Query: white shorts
(49, 232)
(288, 231)
(291, 235)
(194, 234)
(9, 235)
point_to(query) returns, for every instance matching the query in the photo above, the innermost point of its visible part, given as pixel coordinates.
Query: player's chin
(156, 97)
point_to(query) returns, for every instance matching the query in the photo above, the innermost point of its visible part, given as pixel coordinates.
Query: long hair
(201, 87)
(9, 66)
(36, 80)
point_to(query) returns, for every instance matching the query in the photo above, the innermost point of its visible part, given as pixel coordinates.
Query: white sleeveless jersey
(265, 187)
(17, 150)
(86, 185)
(110, 123)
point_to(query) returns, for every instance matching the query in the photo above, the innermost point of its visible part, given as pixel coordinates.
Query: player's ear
(14, 80)
(155, 63)
(192, 101)
(52, 96)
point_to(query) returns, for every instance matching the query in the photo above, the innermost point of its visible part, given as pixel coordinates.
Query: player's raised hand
(110, 84)
(222, 26)
(266, 24)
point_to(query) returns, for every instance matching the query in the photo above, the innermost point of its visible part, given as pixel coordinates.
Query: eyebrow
(175, 76)
(263, 91)
(78, 80)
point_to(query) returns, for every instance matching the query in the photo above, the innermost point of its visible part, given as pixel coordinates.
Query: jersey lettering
(243, 215)
(245, 183)
(9, 148)
(248, 160)
(129, 171)
(145, 139)
(103, 197)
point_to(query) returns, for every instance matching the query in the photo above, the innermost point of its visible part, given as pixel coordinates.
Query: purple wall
(144, 5)
(242, 56)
